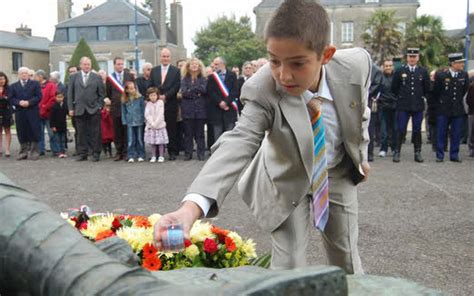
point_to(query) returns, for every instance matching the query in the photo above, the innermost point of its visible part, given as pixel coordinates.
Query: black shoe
(439, 160)
(418, 157)
(95, 157)
(456, 160)
(396, 156)
(370, 158)
(201, 157)
(81, 158)
(172, 157)
(188, 157)
(41, 153)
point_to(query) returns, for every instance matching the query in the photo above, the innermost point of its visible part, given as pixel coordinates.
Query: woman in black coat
(193, 106)
(5, 115)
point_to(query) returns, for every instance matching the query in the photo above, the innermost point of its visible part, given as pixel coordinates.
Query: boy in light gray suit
(273, 142)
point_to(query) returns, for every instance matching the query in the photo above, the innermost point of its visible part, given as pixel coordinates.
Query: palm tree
(426, 32)
(382, 37)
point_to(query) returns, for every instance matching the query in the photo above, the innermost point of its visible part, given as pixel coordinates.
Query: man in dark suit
(222, 114)
(114, 90)
(25, 95)
(85, 99)
(247, 72)
(411, 85)
(167, 79)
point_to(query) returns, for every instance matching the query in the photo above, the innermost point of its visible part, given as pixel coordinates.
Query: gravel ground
(416, 220)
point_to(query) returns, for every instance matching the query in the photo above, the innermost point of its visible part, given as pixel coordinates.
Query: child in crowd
(133, 116)
(155, 130)
(59, 126)
(107, 129)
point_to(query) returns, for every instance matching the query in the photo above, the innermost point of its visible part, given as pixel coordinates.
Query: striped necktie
(319, 181)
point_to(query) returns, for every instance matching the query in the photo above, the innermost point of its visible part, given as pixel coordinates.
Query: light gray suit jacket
(82, 98)
(273, 141)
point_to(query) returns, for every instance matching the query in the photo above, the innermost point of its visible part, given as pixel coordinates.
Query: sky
(41, 15)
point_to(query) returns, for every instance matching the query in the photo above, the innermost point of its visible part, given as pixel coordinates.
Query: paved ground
(416, 220)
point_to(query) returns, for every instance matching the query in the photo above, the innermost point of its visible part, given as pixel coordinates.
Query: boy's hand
(366, 170)
(54, 129)
(186, 215)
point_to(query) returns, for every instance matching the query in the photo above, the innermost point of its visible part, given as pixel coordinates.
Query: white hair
(147, 65)
(55, 75)
(23, 69)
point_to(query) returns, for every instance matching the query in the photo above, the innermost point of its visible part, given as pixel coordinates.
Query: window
(131, 32)
(118, 33)
(402, 27)
(72, 34)
(88, 33)
(102, 33)
(17, 58)
(60, 35)
(103, 65)
(347, 32)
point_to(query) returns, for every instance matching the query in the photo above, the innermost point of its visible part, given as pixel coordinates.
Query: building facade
(109, 29)
(348, 17)
(21, 49)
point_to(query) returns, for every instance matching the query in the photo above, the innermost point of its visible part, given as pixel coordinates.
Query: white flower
(200, 231)
(249, 248)
(154, 219)
(191, 251)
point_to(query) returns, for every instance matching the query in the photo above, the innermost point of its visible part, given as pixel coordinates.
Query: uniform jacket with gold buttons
(410, 88)
(449, 93)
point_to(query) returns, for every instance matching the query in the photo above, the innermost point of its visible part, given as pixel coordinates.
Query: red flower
(230, 244)
(210, 246)
(149, 250)
(152, 263)
(187, 243)
(116, 223)
(141, 221)
(83, 225)
(221, 233)
(104, 234)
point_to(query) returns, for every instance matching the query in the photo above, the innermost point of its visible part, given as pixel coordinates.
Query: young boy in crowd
(59, 126)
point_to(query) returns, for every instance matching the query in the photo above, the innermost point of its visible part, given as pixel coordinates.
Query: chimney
(23, 30)
(64, 10)
(87, 8)
(177, 21)
(158, 14)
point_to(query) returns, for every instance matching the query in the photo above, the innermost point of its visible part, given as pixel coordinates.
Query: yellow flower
(249, 248)
(200, 231)
(154, 219)
(136, 237)
(191, 251)
(73, 223)
(236, 238)
(98, 224)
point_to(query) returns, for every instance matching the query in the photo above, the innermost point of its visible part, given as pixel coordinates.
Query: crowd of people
(444, 98)
(167, 107)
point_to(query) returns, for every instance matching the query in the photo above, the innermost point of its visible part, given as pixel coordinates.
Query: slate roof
(109, 13)
(19, 41)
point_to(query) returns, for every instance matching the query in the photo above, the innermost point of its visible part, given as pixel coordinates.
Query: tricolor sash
(221, 85)
(116, 83)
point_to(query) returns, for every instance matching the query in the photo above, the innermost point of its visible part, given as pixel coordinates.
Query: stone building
(20, 48)
(348, 17)
(109, 29)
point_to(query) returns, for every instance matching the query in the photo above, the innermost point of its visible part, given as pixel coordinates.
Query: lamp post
(136, 39)
(468, 37)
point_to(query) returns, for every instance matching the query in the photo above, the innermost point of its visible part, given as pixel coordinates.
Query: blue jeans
(136, 146)
(442, 123)
(59, 141)
(42, 144)
(388, 130)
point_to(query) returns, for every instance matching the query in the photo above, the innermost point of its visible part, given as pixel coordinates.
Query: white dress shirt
(332, 136)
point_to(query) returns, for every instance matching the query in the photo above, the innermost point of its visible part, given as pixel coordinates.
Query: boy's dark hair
(151, 90)
(302, 20)
(59, 93)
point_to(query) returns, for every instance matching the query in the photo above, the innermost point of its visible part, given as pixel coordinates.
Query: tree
(234, 40)
(382, 37)
(82, 50)
(426, 32)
